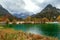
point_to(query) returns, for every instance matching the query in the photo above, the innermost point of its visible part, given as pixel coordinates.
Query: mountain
(49, 12)
(5, 13)
(23, 14)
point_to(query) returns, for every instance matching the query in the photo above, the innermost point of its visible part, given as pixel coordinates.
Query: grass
(10, 34)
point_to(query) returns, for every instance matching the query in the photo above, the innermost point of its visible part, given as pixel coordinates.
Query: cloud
(18, 6)
(30, 6)
(13, 5)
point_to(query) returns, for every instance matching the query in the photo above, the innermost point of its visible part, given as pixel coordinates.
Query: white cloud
(14, 5)
(27, 5)
(19, 5)
(38, 1)
(30, 6)
(58, 6)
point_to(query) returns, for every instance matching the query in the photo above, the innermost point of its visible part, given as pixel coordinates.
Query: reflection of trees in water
(46, 29)
(50, 29)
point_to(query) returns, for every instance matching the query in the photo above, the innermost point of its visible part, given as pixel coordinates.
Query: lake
(42, 29)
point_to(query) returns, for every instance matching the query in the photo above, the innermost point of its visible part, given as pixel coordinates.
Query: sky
(35, 6)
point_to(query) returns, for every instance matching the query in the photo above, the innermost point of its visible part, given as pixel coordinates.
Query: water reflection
(44, 29)
(50, 30)
(34, 30)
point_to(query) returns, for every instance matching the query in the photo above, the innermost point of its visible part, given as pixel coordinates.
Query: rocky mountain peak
(49, 5)
(49, 12)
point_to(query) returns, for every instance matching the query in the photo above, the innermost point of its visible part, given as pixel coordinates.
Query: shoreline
(28, 22)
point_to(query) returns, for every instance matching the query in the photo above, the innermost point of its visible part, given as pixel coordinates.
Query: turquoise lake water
(44, 29)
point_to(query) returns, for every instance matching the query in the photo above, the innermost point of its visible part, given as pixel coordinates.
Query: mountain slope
(5, 13)
(49, 12)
